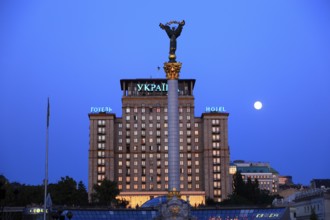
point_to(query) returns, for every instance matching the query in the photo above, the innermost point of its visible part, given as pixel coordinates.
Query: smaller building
(320, 183)
(285, 180)
(263, 172)
(313, 199)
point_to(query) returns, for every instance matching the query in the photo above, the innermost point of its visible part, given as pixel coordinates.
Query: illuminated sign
(36, 210)
(215, 109)
(255, 216)
(146, 87)
(100, 109)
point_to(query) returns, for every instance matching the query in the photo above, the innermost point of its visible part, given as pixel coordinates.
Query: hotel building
(133, 149)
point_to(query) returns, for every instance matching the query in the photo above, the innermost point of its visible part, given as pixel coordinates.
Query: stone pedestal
(175, 209)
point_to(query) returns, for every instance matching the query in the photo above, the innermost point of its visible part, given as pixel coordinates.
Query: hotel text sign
(146, 87)
(100, 109)
(215, 109)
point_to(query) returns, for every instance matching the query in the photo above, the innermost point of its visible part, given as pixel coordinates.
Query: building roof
(254, 169)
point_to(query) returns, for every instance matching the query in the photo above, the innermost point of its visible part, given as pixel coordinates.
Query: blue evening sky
(239, 51)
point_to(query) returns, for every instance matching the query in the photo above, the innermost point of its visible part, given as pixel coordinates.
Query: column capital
(172, 70)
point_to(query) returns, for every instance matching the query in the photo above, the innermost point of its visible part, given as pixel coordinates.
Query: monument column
(174, 208)
(172, 70)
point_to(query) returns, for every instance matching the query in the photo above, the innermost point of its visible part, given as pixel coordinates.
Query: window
(101, 122)
(128, 110)
(100, 177)
(165, 109)
(101, 137)
(100, 146)
(101, 154)
(150, 117)
(196, 125)
(100, 161)
(101, 169)
(101, 130)
(128, 118)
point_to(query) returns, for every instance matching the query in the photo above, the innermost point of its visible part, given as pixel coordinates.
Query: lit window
(165, 118)
(135, 110)
(128, 117)
(128, 110)
(101, 146)
(143, 117)
(101, 154)
(150, 117)
(101, 122)
(196, 125)
(101, 137)
(101, 130)
(165, 109)
(188, 117)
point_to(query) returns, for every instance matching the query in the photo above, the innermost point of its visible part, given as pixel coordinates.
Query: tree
(81, 194)
(247, 193)
(68, 192)
(313, 215)
(105, 193)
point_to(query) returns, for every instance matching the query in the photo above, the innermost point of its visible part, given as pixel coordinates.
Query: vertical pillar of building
(172, 70)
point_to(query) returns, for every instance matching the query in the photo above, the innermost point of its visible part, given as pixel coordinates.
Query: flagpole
(46, 163)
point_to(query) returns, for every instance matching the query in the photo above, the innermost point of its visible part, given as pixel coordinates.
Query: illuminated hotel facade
(133, 149)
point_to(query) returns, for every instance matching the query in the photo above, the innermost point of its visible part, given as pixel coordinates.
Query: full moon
(258, 105)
